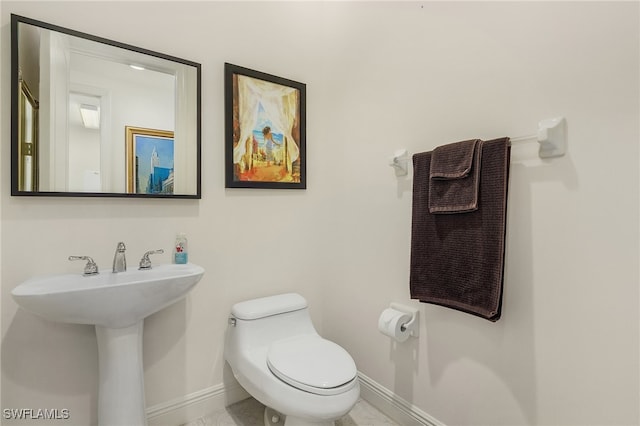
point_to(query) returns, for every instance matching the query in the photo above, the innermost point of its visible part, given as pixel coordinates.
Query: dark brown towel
(457, 260)
(454, 177)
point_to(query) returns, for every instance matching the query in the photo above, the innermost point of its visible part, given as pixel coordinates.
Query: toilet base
(273, 418)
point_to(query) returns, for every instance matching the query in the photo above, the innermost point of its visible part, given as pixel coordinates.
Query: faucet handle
(90, 268)
(145, 262)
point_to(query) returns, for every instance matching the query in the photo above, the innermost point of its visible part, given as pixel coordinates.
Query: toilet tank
(259, 322)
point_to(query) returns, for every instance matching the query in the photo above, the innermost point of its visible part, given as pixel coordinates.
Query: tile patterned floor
(250, 413)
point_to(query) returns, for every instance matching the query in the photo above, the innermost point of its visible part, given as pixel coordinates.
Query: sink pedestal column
(121, 392)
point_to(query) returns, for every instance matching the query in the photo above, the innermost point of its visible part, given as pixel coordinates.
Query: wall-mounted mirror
(96, 117)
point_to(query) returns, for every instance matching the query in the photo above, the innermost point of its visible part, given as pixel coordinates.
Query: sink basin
(108, 299)
(116, 303)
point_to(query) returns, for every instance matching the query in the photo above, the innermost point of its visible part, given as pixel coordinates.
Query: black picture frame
(265, 130)
(195, 103)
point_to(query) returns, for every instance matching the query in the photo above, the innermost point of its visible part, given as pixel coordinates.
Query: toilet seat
(312, 364)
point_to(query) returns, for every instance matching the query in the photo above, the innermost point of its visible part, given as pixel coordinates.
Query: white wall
(380, 76)
(566, 349)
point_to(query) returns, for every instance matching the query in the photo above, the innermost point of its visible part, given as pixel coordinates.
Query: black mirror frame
(15, 20)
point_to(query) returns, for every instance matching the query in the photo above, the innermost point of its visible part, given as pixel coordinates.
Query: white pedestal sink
(116, 303)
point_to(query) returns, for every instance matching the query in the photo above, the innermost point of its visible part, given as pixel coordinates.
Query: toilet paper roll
(391, 322)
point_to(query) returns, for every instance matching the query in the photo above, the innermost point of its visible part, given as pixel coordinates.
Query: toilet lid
(313, 364)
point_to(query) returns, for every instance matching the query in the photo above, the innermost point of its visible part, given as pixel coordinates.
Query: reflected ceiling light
(137, 67)
(90, 116)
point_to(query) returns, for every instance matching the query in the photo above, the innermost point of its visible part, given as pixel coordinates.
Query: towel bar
(551, 135)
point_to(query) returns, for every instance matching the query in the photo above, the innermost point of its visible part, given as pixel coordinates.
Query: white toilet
(278, 357)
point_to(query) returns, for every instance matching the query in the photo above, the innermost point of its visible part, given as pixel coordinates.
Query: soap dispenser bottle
(180, 253)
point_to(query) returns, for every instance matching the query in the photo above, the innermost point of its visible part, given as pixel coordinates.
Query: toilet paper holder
(413, 326)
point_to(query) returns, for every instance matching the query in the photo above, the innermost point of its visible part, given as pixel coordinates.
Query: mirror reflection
(97, 117)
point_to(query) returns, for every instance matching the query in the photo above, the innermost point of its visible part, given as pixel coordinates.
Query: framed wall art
(150, 160)
(265, 125)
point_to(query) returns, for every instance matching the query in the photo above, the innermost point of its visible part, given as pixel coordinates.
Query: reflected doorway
(84, 143)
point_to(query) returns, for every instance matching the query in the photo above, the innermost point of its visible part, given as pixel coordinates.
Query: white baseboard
(202, 403)
(195, 405)
(399, 410)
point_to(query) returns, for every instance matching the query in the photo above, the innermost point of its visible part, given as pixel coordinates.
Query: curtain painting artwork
(265, 130)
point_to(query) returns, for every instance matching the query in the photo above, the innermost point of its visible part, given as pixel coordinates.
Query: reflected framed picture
(265, 130)
(150, 160)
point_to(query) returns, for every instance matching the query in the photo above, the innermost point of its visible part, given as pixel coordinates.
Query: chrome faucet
(119, 260)
(90, 268)
(145, 262)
